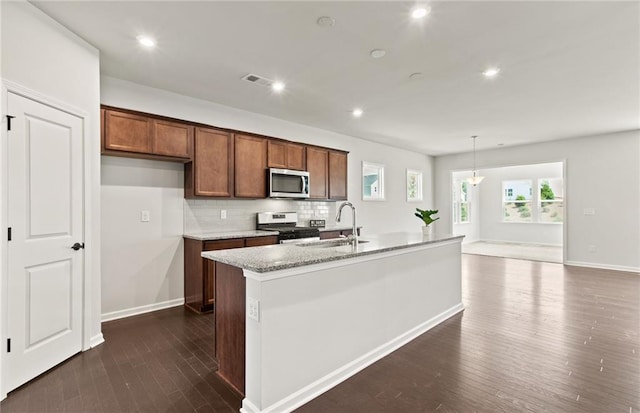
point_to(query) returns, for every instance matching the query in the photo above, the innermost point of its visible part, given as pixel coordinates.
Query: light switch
(145, 216)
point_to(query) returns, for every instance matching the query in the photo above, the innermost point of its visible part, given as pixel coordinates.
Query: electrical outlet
(145, 216)
(592, 248)
(253, 309)
(589, 211)
(223, 214)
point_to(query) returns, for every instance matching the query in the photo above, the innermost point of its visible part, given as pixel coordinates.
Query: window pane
(551, 211)
(517, 190)
(464, 212)
(517, 211)
(464, 191)
(551, 200)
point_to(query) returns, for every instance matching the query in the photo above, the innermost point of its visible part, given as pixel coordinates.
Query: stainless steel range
(286, 223)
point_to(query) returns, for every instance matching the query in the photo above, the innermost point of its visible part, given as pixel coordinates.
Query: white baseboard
(543, 244)
(603, 266)
(339, 375)
(96, 340)
(114, 315)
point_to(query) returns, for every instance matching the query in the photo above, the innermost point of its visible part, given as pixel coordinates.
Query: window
(550, 200)
(372, 182)
(454, 202)
(464, 202)
(414, 185)
(516, 201)
(520, 203)
(461, 193)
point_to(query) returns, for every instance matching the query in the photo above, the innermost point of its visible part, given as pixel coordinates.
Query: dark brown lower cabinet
(200, 273)
(335, 234)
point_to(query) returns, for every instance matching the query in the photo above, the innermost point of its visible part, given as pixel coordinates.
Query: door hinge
(8, 345)
(9, 234)
(9, 117)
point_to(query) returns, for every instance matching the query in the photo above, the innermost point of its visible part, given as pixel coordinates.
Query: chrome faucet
(354, 235)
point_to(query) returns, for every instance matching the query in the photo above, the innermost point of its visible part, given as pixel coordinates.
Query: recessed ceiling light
(420, 12)
(378, 53)
(357, 112)
(277, 86)
(491, 72)
(146, 41)
(326, 21)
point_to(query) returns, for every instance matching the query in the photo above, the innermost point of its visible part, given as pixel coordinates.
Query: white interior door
(46, 217)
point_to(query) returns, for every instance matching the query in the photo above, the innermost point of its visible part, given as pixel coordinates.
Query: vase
(427, 230)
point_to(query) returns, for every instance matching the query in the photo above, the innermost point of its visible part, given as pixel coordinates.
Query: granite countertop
(283, 256)
(211, 236)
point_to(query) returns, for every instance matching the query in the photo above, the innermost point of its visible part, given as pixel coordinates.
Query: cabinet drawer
(223, 244)
(258, 241)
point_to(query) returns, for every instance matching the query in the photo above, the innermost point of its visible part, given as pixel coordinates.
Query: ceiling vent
(258, 80)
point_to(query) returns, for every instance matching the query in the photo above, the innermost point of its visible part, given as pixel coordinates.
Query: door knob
(77, 246)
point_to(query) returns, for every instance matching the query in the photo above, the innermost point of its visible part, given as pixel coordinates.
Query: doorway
(515, 212)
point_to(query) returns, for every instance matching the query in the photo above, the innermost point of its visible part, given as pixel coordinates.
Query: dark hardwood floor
(534, 337)
(157, 362)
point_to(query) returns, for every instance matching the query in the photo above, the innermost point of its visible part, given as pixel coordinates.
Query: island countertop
(279, 257)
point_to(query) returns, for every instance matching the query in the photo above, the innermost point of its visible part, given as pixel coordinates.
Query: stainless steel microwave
(287, 183)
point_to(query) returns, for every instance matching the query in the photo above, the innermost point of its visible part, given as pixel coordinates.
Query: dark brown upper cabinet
(286, 155)
(132, 134)
(317, 166)
(250, 166)
(211, 172)
(337, 175)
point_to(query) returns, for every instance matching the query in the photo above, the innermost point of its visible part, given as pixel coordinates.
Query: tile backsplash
(204, 215)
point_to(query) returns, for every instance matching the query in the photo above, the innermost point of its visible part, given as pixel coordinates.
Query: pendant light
(475, 180)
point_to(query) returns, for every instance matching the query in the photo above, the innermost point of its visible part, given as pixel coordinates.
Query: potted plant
(426, 215)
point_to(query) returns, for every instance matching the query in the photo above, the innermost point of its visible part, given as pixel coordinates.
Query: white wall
(491, 225)
(395, 214)
(43, 56)
(141, 259)
(602, 172)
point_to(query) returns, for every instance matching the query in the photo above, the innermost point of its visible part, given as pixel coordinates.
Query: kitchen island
(292, 321)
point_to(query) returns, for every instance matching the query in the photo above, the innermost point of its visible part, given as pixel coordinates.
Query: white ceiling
(567, 68)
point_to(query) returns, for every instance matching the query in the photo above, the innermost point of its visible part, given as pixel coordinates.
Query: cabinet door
(258, 241)
(337, 175)
(172, 139)
(296, 157)
(277, 154)
(209, 286)
(127, 132)
(212, 169)
(317, 166)
(250, 166)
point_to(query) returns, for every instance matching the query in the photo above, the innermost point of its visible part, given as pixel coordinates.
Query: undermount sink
(330, 244)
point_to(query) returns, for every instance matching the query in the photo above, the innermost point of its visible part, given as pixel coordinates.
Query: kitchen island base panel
(230, 326)
(317, 329)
